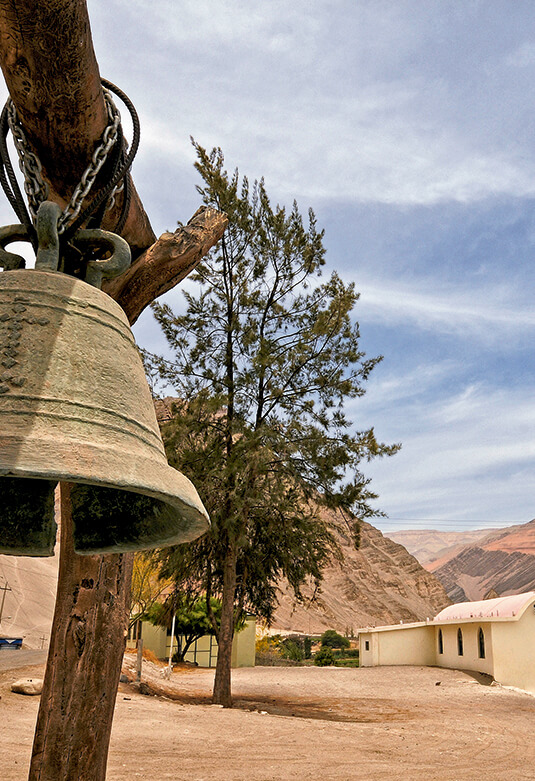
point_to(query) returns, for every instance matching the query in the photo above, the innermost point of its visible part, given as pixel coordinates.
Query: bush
(291, 649)
(332, 639)
(324, 657)
(307, 648)
(346, 662)
(347, 653)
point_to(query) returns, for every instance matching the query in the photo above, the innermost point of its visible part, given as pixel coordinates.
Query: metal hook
(10, 261)
(46, 224)
(103, 241)
(87, 240)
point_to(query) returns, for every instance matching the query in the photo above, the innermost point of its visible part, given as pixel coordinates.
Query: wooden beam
(50, 68)
(51, 72)
(166, 262)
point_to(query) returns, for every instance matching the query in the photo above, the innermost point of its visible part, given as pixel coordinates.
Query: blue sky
(408, 127)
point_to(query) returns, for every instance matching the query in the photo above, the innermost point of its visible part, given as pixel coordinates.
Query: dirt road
(299, 724)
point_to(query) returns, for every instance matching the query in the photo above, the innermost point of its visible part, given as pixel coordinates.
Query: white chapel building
(494, 636)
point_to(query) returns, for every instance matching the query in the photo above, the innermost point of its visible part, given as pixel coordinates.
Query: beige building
(494, 636)
(203, 651)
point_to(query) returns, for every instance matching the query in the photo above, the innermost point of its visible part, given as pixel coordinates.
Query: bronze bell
(75, 406)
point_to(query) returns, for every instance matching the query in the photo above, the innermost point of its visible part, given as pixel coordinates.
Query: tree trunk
(222, 694)
(48, 61)
(74, 721)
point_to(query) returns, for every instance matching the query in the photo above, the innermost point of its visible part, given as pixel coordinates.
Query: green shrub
(347, 653)
(324, 657)
(307, 648)
(346, 662)
(332, 639)
(291, 649)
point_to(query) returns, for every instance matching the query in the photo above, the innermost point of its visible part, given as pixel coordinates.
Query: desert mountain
(380, 583)
(503, 560)
(428, 545)
(29, 605)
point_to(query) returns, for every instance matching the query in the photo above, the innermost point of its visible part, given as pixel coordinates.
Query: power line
(451, 520)
(484, 523)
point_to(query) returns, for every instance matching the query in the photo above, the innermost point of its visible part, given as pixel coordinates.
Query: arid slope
(503, 561)
(381, 583)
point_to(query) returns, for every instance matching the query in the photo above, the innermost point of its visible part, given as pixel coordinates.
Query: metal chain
(34, 185)
(116, 190)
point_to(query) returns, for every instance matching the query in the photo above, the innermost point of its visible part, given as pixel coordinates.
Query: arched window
(481, 643)
(460, 641)
(440, 642)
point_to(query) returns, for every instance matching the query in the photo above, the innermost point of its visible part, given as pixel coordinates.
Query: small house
(202, 652)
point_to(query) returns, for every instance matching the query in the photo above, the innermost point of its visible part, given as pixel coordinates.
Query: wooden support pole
(48, 61)
(76, 711)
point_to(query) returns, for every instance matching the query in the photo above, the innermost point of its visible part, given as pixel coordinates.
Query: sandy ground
(296, 724)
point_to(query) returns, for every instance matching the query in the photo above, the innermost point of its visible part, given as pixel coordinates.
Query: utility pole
(5, 589)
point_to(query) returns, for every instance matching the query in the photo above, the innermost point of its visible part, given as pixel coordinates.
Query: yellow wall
(509, 647)
(470, 659)
(514, 644)
(244, 645)
(403, 645)
(204, 650)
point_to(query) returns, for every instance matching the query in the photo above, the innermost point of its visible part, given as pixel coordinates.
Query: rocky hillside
(381, 583)
(427, 545)
(503, 561)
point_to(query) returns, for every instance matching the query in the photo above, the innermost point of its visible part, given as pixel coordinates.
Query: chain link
(34, 185)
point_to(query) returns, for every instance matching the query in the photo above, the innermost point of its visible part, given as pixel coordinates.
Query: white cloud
(488, 314)
(465, 455)
(330, 101)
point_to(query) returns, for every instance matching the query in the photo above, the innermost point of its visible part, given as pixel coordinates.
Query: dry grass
(148, 655)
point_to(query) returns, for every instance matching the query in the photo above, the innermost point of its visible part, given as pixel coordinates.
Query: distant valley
(470, 564)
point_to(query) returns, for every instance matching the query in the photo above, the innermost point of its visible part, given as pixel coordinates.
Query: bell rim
(167, 485)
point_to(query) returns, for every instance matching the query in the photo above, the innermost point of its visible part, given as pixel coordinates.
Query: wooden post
(139, 659)
(50, 68)
(74, 721)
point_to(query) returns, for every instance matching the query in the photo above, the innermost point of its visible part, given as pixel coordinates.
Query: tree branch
(166, 262)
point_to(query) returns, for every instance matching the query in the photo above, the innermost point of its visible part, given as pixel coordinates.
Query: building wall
(509, 647)
(406, 645)
(204, 650)
(244, 645)
(514, 644)
(470, 660)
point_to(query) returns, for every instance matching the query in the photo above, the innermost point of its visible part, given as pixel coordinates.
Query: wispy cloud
(331, 102)
(490, 314)
(465, 455)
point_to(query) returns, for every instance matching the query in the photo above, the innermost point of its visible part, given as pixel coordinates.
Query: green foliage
(275, 649)
(192, 619)
(324, 657)
(265, 356)
(346, 662)
(332, 639)
(292, 648)
(347, 653)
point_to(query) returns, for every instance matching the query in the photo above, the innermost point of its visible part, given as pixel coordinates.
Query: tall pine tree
(265, 357)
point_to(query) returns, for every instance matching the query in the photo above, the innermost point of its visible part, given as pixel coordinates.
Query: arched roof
(502, 607)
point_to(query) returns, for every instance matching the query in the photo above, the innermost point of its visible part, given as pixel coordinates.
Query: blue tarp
(10, 642)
